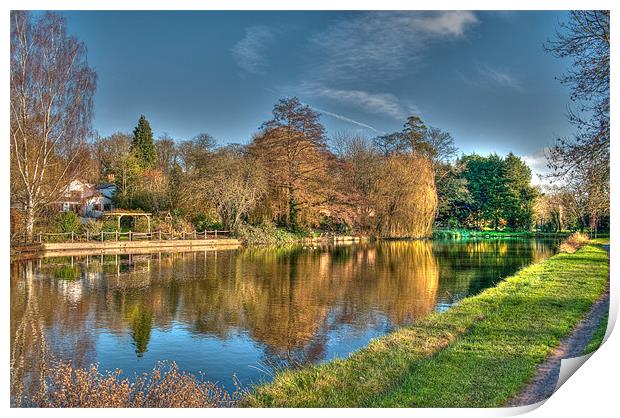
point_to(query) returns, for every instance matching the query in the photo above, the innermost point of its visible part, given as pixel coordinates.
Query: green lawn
(597, 337)
(477, 354)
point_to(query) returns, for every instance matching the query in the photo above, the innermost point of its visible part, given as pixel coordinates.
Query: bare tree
(109, 151)
(585, 39)
(293, 149)
(442, 145)
(51, 110)
(234, 184)
(582, 162)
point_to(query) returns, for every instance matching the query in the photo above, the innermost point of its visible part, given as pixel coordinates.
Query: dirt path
(545, 380)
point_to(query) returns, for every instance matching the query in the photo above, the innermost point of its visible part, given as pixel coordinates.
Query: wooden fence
(123, 236)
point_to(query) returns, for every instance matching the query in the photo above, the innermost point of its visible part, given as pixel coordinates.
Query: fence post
(216, 234)
(87, 236)
(183, 235)
(194, 234)
(160, 234)
(116, 235)
(101, 236)
(40, 237)
(129, 235)
(205, 234)
(71, 236)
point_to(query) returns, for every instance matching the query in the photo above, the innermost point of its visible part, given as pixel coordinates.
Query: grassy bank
(477, 354)
(467, 233)
(597, 337)
(600, 241)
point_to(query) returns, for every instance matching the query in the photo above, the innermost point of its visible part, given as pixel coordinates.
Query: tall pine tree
(142, 145)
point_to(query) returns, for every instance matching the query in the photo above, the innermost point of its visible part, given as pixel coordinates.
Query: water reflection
(221, 312)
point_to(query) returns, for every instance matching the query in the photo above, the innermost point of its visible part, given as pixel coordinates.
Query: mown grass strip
(600, 241)
(478, 353)
(597, 337)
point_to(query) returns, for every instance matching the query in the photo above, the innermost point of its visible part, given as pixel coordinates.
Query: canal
(244, 312)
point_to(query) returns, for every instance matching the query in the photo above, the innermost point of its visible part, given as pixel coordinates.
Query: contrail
(345, 119)
(333, 115)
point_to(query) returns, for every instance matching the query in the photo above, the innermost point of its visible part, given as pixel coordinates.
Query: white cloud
(382, 103)
(250, 51)
(537, 162)
(447, 23)
(382, 45)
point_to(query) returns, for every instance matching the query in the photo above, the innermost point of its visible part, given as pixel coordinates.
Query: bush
(574, 242)
(174, 224)
(68, 222)
(164, 387)
(109, 225)
(93, 227)
(206, 222)
(267, 233)
(141, 224)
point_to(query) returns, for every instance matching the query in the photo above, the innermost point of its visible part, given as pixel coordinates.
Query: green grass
(477, 354)
(600, 241)
(597, 337)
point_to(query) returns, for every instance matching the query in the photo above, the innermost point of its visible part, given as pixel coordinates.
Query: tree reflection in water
(292, 303)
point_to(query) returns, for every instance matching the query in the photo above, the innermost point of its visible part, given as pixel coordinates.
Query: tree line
(291, 174)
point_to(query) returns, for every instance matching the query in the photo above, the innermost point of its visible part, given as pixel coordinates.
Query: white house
(87, 200)
(99, 201)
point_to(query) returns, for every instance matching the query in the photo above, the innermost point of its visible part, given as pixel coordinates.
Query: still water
(242, 312)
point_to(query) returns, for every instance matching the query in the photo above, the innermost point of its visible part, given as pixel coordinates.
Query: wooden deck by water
(47, 249)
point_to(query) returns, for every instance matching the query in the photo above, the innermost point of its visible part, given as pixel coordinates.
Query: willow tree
(405, 195)
(51, 92)
(406, 199)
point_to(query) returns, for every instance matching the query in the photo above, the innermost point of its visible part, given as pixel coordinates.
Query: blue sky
(482, 76)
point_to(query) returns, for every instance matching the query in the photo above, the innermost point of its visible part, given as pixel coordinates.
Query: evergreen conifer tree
(142, 145)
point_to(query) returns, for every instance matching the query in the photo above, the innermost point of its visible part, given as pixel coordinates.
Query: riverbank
(479, 353)
(120, 247)
(468, 233)
(582, 338)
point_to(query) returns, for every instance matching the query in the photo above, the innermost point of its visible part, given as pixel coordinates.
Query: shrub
(267, 233)
(159, 223)
(141, 224)
(93, 227)
(164, 387)
(574, 242)
(180, 224)
(174, 224)
(206, 222)
(109, 225)
(68, 222)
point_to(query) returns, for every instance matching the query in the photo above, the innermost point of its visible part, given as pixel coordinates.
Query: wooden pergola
(120, 213)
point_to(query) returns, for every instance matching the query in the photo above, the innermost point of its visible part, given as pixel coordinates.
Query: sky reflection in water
(247, 311)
